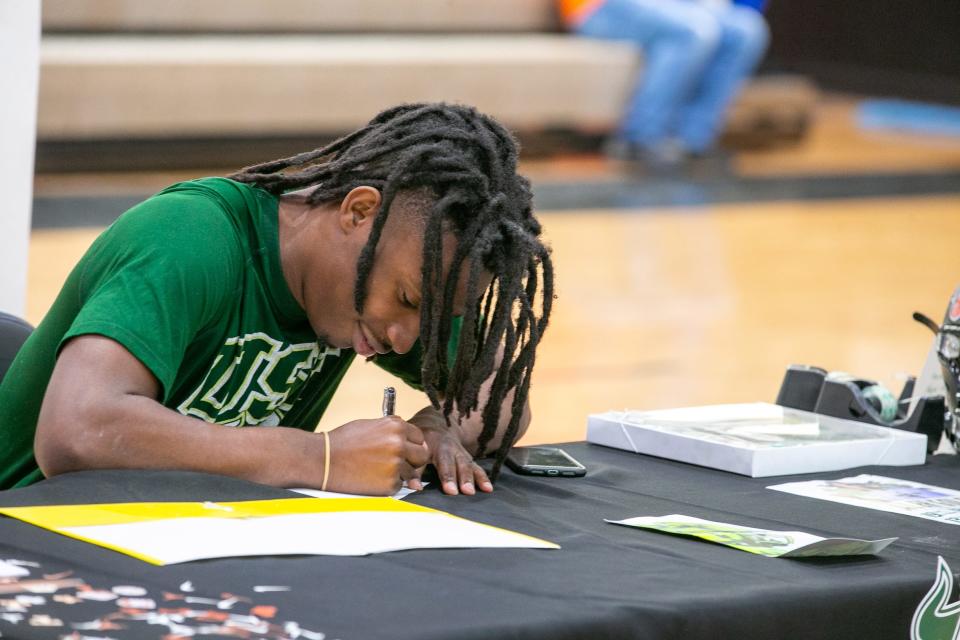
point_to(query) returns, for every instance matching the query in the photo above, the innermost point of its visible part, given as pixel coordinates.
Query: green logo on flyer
(935, 619)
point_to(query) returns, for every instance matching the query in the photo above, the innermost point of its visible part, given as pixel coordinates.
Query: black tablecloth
(607, 581)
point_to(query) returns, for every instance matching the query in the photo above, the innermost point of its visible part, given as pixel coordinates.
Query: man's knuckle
(394, 442)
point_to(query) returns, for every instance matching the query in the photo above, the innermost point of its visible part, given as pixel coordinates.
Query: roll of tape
(881, 399)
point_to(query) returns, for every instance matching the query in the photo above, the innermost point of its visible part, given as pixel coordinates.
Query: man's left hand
(456, 468)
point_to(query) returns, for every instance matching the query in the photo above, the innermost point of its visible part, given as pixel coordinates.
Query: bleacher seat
(111, 86)
(129, 69)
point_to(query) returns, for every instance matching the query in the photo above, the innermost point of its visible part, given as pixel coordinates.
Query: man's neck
(301, 231)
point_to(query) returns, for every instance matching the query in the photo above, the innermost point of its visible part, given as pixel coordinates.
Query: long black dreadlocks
(467, 162)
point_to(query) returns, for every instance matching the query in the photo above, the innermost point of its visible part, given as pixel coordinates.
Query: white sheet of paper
(351, 533)
(883, 494)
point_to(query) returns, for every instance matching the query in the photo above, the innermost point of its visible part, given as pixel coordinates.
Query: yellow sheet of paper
(170, 532)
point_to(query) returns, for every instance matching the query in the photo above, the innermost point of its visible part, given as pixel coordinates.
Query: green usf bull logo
(935, 619)
(254, 380)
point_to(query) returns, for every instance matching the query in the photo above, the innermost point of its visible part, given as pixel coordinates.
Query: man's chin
(324, 342)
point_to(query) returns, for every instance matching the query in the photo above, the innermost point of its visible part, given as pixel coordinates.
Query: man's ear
(358, 208)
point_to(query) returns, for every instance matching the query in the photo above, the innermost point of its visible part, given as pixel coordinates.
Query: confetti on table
(10, 570)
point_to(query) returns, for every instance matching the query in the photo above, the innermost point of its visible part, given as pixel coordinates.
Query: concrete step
(314, 16)
(112, 87)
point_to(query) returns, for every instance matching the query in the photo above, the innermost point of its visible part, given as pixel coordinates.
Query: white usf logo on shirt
(254, 380)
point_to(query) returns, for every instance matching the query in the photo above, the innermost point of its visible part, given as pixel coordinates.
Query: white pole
(20, 70)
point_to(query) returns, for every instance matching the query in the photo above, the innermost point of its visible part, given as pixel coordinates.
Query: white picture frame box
(756, 439)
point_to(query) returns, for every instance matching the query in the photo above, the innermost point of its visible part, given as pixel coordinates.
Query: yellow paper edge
(86, 515)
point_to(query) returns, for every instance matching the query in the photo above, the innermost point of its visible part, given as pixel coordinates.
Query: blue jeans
(696, 58)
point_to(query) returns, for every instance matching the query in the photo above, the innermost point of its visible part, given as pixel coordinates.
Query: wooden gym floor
(663, 306)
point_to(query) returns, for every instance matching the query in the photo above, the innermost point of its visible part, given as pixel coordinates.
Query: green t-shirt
(190, 283)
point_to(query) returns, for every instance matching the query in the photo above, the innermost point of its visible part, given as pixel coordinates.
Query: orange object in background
(573, 11)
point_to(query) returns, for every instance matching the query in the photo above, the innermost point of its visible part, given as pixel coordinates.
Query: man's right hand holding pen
(374, 457)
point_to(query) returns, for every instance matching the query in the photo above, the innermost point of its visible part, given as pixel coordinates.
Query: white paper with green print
(764, 542)
(883, 494)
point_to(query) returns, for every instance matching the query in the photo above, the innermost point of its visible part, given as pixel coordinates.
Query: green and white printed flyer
(764, 542)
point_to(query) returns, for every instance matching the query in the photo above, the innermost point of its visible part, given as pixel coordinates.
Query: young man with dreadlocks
(223, 303)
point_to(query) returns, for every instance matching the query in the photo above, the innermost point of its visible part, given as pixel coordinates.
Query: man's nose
(403, 333)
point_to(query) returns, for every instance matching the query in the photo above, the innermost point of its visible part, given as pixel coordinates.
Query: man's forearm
(136, 432)
(100, 411)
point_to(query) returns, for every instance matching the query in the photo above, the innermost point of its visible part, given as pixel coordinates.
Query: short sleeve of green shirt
(159, 275)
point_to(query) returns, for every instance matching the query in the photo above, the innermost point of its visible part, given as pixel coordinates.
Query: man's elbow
(64, 444)
(53, 453)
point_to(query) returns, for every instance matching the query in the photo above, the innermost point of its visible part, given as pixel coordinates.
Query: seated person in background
(226, 303)
(696, 56)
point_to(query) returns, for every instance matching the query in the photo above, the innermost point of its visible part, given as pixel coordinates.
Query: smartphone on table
(544, 461)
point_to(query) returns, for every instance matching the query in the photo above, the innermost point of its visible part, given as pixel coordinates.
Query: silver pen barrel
(389, 401)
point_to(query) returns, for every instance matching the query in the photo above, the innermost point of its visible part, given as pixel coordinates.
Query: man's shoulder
(205, 198)
(207, 211)
(215, 188)
(196, 226)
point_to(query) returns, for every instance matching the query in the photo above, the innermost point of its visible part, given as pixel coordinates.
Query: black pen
(389, 401)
